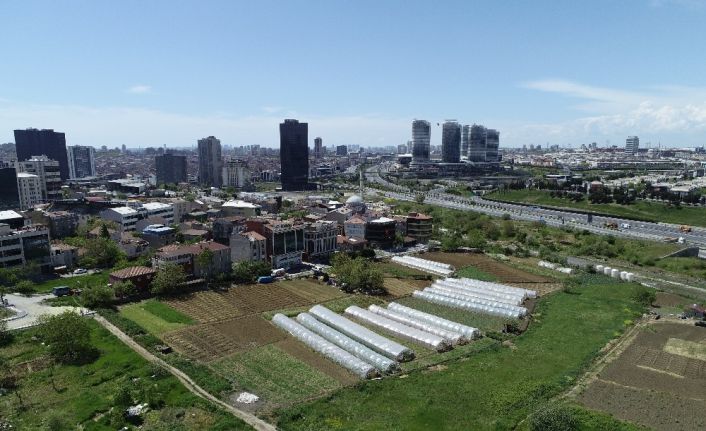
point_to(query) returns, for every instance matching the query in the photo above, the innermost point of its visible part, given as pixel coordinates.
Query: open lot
(658, 381)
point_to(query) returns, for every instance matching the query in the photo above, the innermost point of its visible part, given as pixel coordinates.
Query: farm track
(197, 390)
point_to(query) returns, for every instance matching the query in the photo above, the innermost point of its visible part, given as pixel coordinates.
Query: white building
(49, 175)
(158, 209)
(29, 190)
(235, 174)
(354, 227)
(240, 208)
(125, 217)
(82, 161)
(632, 143)
(247, 246)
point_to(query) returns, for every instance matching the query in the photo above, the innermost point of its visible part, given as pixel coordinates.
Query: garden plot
(504, 273)
(312, 291)
(256, 298)
(658, 381)
(398, 287)
(205, 306)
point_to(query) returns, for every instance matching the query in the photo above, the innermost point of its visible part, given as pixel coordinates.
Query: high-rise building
(476, 144)
(235, 173)
(48, 172)
(171, 168)
(33, 142)
(210, 162)
(8, 185)
(294, 154)
(82, 161)
(402, 149)
(421, 136)
(632, 143)
(451, 142)
(29, 190)
(318, 148)
(465, 137)
(341, 150)
(492, 143)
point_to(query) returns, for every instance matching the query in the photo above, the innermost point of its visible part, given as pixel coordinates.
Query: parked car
(59, 291)
(80, 271)
(265, 279)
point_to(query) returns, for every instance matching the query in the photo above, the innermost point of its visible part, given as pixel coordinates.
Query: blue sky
(169, 72)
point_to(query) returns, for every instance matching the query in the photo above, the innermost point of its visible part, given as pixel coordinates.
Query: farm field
(155, 316)
(495, 387)
(641, 210)
(659, 380)
(81, 396)
(398, 287)
(502, 272)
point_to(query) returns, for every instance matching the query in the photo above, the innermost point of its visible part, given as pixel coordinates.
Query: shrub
(554, 418)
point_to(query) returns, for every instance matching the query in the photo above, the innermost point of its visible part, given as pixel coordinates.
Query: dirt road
(249, 418)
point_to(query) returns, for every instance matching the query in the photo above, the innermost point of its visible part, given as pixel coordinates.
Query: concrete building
(240, 208)
(294, 155)
(210, 162)
(284, 241)
(318, 148)
(465, 139)
(154, 210)
(380, 232)
(32, 142)
(451, 142)
(235, 174)
(187, 256)
(125, 217)
(82, 161)
(171, 168)
(341, 150)
(19, 246)
(354, 227)
(12, 219)
(61, 223)
(49, 175)
(159, 235)
(320, 239)
(421, 138)
(247, 246)
(420, 227)
(632, 144)
(63, 255)
(29, 190)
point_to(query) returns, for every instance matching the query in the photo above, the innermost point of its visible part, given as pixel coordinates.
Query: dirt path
(249, 418)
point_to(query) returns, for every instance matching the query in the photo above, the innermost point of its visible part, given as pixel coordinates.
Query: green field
(642, 210)
(473, 272)
(494, 388)
(274, 375)
(79, 282)
(81, 397)
(692, 266)
(156, 317)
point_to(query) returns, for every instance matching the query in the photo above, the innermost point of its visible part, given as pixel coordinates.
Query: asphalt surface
(552, 217)
(29, 308)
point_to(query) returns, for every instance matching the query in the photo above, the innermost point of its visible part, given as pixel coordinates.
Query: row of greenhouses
(363, 351)
(425, 265)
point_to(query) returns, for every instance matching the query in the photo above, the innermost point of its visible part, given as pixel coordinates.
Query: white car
(80, 271)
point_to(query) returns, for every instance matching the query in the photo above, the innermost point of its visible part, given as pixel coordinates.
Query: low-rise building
(158, 235)
(187, 256)
(26, 244)
(420, 226)
(354, 227)
(320, 239)
(125, 217)
(247, 246)
(222, 228)
(139, 276)
(63, 255)
(61, 223)
(12, 219)
(240, 208)
(380, 232)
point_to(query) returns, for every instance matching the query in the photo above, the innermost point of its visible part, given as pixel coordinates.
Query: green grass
(495, 388)
(473, 272)
(274, 375)
(692, 266)
(79, 282)
(81, 395)
(6, 312)
(156, 317)
(642, 210)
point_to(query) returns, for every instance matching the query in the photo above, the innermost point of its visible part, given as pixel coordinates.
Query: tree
(101, 253)
(169, 280)
(204, 261)
(104, 232)
(420, 198)
(25, 287)
(357, 275)
(5, 335)
(68, 337)
(508, 229)
(645, 296)
(248, 271)
(124, 289)
(98, 296)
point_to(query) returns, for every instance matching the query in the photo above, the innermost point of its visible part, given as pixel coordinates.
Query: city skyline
(540, 81)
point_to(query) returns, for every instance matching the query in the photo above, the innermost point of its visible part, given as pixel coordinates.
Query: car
(701, 323)
(80, 271)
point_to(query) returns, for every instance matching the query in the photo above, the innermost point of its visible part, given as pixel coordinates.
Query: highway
(552, 217)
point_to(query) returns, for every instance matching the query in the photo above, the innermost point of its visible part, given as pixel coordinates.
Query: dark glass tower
(171, 168)
(451, 142)
(47, 142)
(294, 155)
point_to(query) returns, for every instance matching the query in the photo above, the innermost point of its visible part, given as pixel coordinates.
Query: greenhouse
(452, 337)
(407, 332)
(363, 335)
(467, 331)
(464, 305)
(326, 348)
(510, 298)
(481, 301)
(353, 347)
(429, 266)
(496, 287)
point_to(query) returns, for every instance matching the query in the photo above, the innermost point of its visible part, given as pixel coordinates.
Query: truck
(610, 225)
(265, 279)
(684, 228)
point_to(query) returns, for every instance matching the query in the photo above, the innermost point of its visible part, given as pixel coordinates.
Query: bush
(97, 297)
(645, 296)
(554, 418)
(169, 280)
(68, 337)
(247, 272)
(25, 287)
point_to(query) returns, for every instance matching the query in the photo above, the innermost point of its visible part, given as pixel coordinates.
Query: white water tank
(615, 273)
(606, 270)
(599, 269)
(623, 275)
(630, 276)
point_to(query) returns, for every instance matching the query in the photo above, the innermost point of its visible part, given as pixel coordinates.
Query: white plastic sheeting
(362, 334)
(615, 273)
(630, 276)
(450, 336)
(510, 298)
(492, 286)
(607, 270)
(623, 275)
(599, 269)
(353, 347)
(468, 332)
(425, 265)
(412, 334)
(326, 348)
(464, 305)
(476, 300)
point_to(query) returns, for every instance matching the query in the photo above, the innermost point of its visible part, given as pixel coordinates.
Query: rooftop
(4, 215)
(240, 204)
(154, 206)
(124, 211)
(133, 271)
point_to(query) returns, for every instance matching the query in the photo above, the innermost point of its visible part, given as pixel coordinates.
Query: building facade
(49, 175)
(171, 168)
(29, 190)
(294, 155)
(341, 150)
(82, 161)
(320, 239)
(210, 162)
(465, 139)
(33, 142)
(451, 142)
(476, 144)
(632, 144)
(318, 148)
(235, 173)
(27, 244)
(420, 227)
(247, 246)
(421, 138)
(492, 145)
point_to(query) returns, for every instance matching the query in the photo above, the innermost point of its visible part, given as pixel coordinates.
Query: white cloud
(139, 89)
(271, 109)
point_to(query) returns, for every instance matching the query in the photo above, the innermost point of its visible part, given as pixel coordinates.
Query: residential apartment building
(247, 246)
(420, 226)
(320, 239)
(210, 162)
(354, 227)
(19, 246)
(49, 175)
(29, 190)
(187, 256)
(82, 161)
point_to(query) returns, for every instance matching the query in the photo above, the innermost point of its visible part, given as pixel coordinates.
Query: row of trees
(357, 274)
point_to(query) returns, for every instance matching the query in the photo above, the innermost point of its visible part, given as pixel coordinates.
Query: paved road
(29, 308)
(197, 390)
(552, 217)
